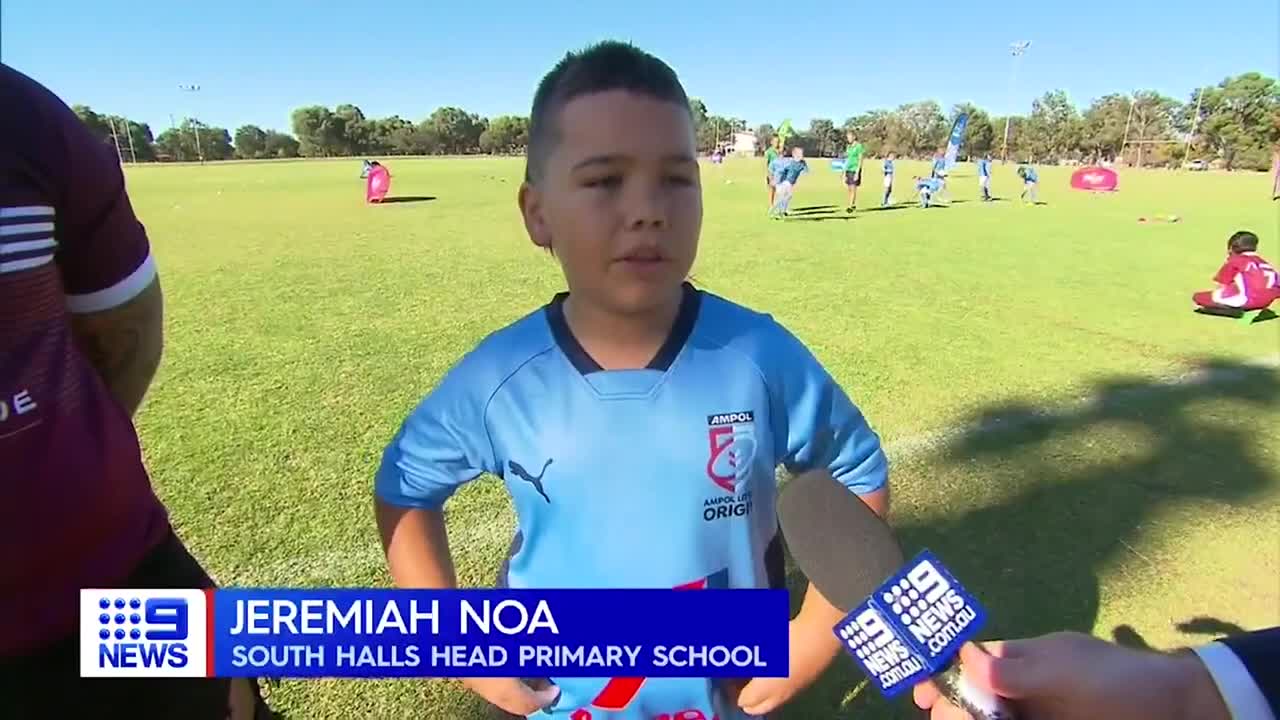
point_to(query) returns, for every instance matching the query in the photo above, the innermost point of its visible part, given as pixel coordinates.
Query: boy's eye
(607, 182)
(681, 180)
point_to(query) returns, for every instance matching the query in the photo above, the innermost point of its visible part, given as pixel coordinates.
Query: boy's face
(849, 137)
(620, 200)
(797, 153)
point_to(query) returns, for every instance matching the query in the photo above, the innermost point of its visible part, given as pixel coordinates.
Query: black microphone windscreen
(840, 544)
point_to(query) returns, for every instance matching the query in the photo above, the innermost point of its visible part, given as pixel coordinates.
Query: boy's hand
(813, 646)
(512, 695)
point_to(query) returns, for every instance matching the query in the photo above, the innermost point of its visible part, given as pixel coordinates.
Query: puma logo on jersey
(534, 480)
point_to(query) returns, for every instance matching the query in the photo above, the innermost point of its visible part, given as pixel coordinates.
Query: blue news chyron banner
(912, 626)
(499, 633)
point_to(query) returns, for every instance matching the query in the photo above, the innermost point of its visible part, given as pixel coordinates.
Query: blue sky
(762, 61)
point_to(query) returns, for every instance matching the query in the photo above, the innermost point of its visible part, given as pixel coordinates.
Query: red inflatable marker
(1095, 179)
(377, 184)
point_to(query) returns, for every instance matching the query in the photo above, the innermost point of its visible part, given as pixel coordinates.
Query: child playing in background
(770, 156)
(852, 169)
(594, 410)
(984, 177)
(888, 179)
(1029, 180)
(1245, 281)
(790, 175)
(927, 188)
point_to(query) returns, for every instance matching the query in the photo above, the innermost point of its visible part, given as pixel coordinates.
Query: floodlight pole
(1195, 122)
(1017, 50)
(195, 127)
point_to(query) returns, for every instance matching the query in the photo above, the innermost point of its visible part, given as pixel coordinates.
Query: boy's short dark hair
(605, 66)
(1243, 242)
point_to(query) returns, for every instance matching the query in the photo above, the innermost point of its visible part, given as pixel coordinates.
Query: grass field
(1100, 495)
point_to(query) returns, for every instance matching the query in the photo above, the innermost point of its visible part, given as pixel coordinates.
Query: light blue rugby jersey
(653, 478)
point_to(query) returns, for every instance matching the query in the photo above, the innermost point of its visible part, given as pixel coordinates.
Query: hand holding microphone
(1071, 676)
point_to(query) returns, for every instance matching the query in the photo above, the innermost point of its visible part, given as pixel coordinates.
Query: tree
(506, 134)
(354, 129)
(1054, 127)
(698, 110)
(134, 138)
(457, 131)
(764, 136)
(1239, 120)
(280, 145)
(826, 138)
(873, 129)
(1104, 124)
(251, 142)
(922, 128)
(317, 133)
(978, 134)
(1152, 119)
(181, 143)
(1009, 135)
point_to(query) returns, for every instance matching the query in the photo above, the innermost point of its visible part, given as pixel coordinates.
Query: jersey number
(619, 692)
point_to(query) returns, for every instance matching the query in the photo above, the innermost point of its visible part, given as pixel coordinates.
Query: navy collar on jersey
(681, 329)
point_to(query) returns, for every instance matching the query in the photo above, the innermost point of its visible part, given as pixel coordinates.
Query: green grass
(302, 326)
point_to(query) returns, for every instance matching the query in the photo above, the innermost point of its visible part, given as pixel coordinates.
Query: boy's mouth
(642, 256)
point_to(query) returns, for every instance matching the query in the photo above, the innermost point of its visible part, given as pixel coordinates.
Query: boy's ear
(530, 201)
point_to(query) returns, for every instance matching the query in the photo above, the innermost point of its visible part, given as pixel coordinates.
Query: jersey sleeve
(442, 445)
(815, 424)
(103, 252)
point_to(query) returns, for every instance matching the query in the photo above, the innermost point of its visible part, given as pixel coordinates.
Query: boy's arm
(442, 445)
(815, 425)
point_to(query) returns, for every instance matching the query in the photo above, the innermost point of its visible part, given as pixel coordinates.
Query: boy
(1029, 179)
(1245, 281)
(984, 177)
(614, 412)
(770, 156)
(939, 171)
(852, 169)
(927, 188)
(888, 179)
(790, 175)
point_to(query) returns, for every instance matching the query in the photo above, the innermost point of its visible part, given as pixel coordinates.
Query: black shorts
(47, 683)
(853, 179)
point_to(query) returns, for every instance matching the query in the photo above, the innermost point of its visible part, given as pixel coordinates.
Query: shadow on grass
(814, 208)
(1033, 558)
(407, 199)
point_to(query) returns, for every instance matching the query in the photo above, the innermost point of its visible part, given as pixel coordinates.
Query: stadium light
(1017, 50)
(195, 129)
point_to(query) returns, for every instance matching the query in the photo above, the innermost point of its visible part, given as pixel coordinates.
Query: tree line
(1236, 122)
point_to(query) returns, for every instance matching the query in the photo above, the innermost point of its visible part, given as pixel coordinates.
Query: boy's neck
(622, 341)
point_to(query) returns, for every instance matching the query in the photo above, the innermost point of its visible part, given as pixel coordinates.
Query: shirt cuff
(1244, 699)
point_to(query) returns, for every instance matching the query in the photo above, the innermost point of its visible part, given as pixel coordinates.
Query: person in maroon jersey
(1245, 281)
(80, 340)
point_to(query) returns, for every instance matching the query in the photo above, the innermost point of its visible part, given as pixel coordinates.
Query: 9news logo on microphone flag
(912, 626)
(144, 633)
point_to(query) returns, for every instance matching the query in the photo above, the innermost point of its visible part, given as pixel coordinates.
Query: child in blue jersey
(789, 175)
(1029, 180)
(636, 421)
(888, 179)
(984, 177)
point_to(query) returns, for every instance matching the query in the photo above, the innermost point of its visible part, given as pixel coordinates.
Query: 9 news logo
(143, 633)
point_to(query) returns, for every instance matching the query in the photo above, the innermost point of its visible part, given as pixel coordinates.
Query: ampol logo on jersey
(143, 633)
(732, 440)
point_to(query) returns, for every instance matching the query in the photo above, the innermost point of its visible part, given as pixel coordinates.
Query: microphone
(905, 624)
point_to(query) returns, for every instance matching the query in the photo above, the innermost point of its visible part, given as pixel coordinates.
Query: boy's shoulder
(758, 336)
(501, 353)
